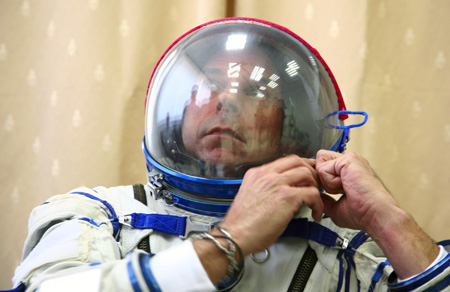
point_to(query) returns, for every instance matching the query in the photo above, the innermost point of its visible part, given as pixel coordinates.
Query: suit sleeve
(74, 239)
(435, 278)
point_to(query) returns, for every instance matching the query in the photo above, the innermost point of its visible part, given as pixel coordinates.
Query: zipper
(144, 244)
(304, 271)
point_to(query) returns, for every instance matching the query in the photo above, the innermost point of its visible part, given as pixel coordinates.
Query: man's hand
(367, 205)
(366, 199)
(269, 197)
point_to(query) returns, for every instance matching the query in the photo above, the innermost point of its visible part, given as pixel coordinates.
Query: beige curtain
(73, 79)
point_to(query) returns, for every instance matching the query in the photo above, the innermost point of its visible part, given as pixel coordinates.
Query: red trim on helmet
(313, 50)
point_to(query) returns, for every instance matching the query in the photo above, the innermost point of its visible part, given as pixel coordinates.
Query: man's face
(235, 115)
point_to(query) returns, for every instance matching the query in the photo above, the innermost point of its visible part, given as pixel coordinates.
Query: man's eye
(255, 93)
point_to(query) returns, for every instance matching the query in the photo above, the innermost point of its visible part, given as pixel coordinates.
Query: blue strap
(144, 261)
(377, 276)
(348, 275)
(341, 271)
(133, 278)
(302, 228)
(347, 255)
(355, 243)
(175, 225)
(362, 113)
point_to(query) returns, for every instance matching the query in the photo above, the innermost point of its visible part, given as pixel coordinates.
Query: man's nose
(228, 101)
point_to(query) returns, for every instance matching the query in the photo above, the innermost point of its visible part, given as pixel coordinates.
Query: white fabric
(175, 266)
(187, 275)
(442, 254)
(86, 281)
(61, 243)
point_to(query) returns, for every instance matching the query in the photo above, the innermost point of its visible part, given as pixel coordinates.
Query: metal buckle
(342, 243)
(125, 220)
(195, 227)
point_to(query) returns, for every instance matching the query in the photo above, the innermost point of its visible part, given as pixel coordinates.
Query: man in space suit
(244, 125)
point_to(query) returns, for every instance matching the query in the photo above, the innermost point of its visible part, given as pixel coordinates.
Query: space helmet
(229, 95)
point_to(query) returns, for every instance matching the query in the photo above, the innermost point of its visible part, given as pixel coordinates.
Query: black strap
(139, 193)
(141, 196)
(304, 271)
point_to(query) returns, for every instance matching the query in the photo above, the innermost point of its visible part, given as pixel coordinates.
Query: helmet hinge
(155, 180)
(157, 189)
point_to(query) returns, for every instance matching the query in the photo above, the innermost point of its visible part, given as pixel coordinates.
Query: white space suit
(73, 243)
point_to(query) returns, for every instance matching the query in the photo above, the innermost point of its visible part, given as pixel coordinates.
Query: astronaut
(244, 129)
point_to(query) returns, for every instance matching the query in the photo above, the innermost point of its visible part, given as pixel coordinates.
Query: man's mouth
(225, 132)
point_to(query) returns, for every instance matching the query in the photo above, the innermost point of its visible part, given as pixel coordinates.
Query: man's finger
(291, 161)
(323, 156)
(310, 196)
(302, 176)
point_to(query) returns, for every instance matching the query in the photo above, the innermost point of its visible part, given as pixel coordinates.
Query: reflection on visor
(217, 80)
(233, 117)
(234, 95)
(236, 42)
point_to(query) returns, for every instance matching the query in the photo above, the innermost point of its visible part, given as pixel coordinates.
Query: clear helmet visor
(236, 94)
